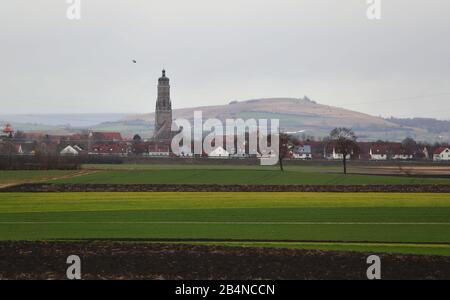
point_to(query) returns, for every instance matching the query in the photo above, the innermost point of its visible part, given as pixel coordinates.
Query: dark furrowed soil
(225, 188)
(118, 260)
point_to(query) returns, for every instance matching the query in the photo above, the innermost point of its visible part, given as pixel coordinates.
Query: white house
(338, 156)
(378, 154)
(219, 152)
(69, 150)
(302, 152)
(442, 154)
(158, 152)
(402, 156)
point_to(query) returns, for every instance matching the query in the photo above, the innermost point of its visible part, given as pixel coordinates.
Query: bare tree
(410, 146)
(7, 148)
(345, 142)
(286, 143)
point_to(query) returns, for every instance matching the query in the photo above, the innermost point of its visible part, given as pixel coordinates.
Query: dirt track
(224, 188)
(114, 260)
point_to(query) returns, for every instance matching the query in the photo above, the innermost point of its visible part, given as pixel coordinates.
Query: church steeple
(163, 118)
(164, 78)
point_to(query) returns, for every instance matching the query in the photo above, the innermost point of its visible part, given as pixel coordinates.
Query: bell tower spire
(163, 115)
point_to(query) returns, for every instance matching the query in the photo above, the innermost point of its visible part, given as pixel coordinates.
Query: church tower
(163, 115)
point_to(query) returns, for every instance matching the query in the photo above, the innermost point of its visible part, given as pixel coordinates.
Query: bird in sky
(134, 61)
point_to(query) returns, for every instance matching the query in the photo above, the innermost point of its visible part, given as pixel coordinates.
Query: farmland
(264, 176)
(394, 223)
(365, 222)
(17, 177)
(308, 174)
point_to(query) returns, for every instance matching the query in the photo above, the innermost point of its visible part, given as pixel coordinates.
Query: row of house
(113, 144)
(301, 152)
(32, 143)
(376, 151)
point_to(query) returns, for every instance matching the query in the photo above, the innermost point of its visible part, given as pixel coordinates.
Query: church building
(163, 113)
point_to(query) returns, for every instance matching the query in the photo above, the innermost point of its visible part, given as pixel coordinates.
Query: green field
(368, 222)
(309, 174)
(262, 176)
(403, 223)
(14, 177)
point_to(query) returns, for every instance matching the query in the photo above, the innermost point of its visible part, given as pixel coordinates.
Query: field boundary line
(51, 186)
(212, 223)
(6, 185)
(67, 176)
(237, 240)
(48, 179)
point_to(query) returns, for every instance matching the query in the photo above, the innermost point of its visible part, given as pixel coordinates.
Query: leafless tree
(345, 142)
(286, 144)
(7, 151)
(7, 148)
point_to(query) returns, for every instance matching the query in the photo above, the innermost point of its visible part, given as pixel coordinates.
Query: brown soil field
(123, 261)
(35, 188)
(402, 170)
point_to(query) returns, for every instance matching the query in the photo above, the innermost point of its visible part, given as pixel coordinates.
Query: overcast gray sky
(216, 51)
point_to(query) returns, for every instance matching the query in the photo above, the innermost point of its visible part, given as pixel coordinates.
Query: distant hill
(432, 125)
(61, 120)
(58, 124)
(304, 114)
(294, 114)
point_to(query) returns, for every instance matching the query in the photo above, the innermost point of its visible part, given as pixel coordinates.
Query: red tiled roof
(8, 129)
(78, 137)
(440, 150)
(107, 136)
(110, 149)
(386, 148)
(158, 148)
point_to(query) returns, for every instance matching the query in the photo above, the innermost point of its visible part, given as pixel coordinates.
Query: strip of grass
(337, 168)
(222, 174)
(8, 177)
(243, 215)
(244, 176)
(61, 202)
(230, 232)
